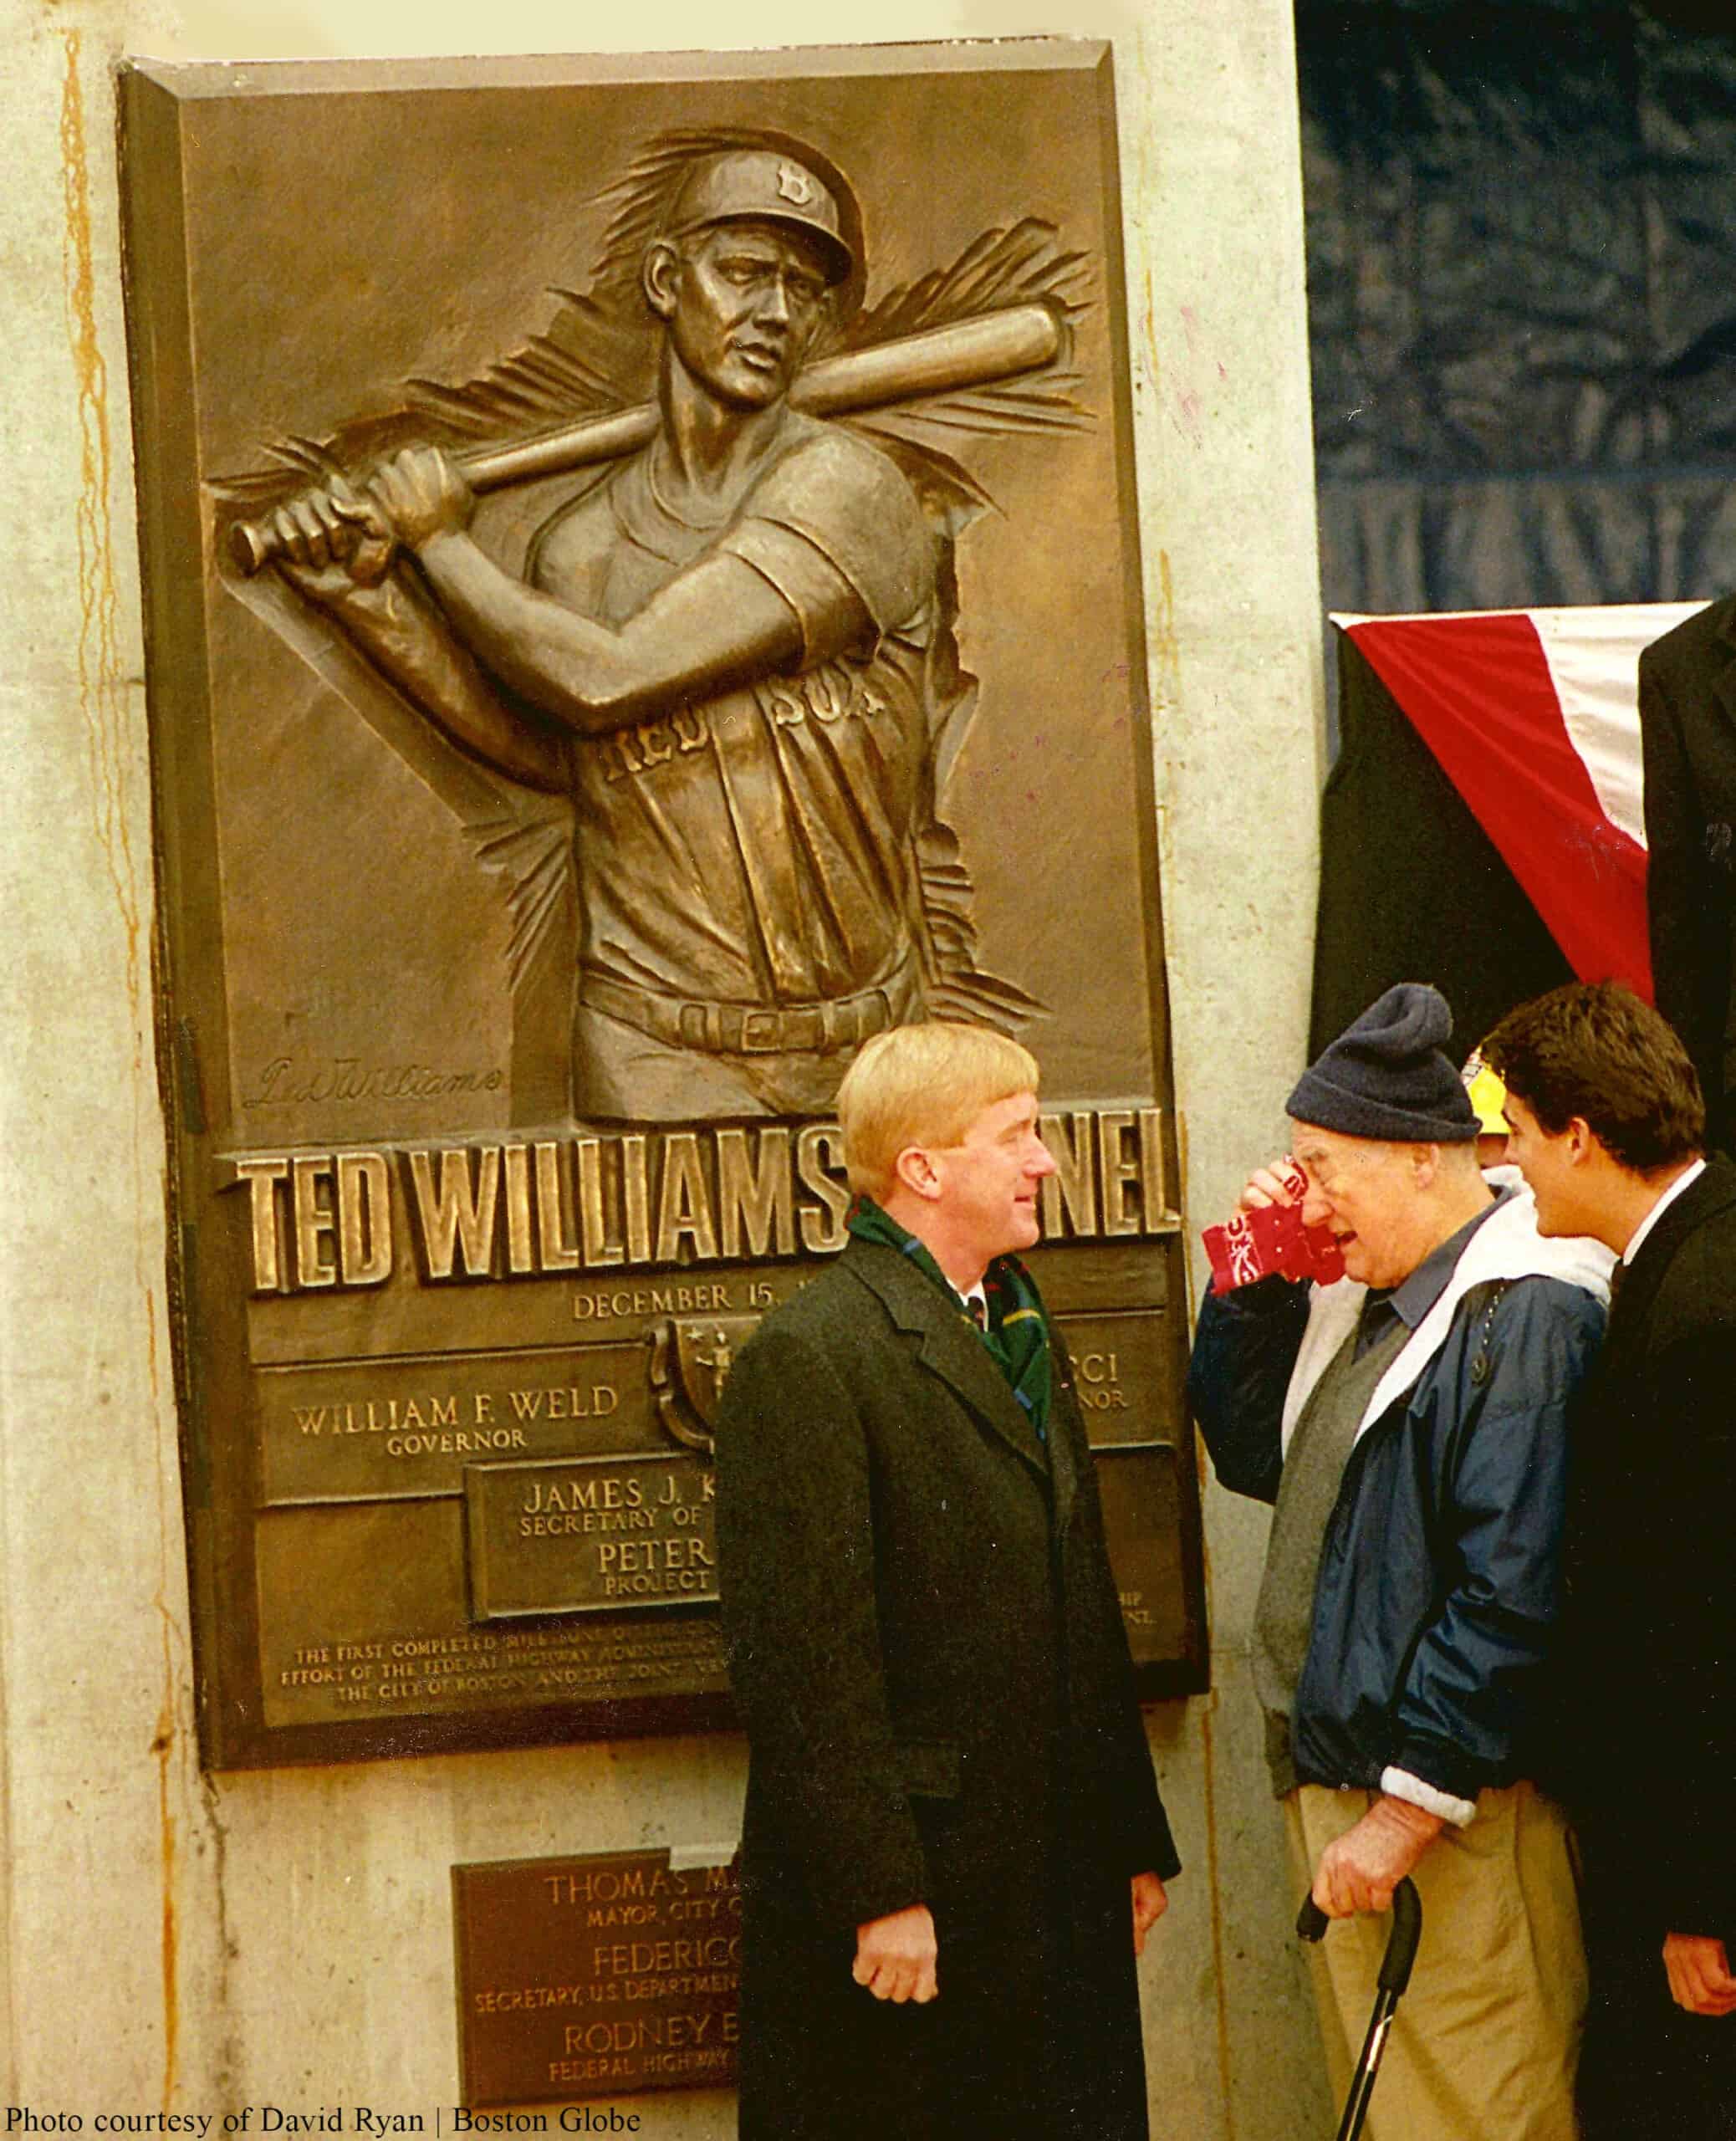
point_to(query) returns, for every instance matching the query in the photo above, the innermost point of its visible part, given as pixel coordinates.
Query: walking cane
(1311, 1924)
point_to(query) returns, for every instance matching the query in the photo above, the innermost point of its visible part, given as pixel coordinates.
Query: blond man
(954, 1844)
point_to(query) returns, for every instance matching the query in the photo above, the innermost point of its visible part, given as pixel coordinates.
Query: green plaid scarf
(1018, 1333)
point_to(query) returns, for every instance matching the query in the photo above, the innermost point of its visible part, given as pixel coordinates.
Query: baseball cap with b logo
(768, 186)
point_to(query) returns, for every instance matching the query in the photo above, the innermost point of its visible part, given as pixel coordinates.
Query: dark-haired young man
(1608, 1126)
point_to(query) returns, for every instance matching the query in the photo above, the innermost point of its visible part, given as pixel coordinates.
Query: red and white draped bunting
(1533, 716)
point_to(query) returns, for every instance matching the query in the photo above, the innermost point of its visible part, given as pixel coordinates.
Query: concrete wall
(170, 1941)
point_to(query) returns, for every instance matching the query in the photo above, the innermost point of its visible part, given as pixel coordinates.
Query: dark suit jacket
(928, 1652)
(1648, 1635)
(1687, 730)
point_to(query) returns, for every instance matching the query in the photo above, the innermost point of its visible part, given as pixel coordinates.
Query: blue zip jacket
(1440, 1572)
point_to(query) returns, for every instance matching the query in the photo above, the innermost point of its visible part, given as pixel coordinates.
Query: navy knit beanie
(1386, 1076)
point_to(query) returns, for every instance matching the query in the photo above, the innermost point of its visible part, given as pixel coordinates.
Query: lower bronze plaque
(595, 1977)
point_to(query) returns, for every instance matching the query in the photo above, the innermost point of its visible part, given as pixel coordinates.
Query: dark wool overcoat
(929, 1657)
(1646, 1737)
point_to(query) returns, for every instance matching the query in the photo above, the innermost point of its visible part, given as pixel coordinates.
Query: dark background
(1521, 231)
(1521, 227)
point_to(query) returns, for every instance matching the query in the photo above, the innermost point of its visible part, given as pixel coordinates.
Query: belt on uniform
(820, 1028)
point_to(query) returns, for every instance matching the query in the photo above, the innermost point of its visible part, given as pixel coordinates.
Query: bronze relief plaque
(594, 1977)
(642, 595)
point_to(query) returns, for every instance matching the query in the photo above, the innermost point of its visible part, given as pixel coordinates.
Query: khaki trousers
(1487, 2039)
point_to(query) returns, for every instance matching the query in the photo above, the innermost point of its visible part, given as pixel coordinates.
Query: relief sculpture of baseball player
(732, 650)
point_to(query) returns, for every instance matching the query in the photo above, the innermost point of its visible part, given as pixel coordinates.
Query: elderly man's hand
(1281, 1182)
(1359, 1870)
(1699, 1974)
(1150, 1903)
(895, 1955)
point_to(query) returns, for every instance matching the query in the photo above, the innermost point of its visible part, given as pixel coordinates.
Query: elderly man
(953, 1845)
(1408, 1422)
(726, 650)
(1608, 1125)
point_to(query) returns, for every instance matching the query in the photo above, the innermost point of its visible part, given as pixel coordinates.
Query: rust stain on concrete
(103, 702)
(100, 692)
(1149, 316)
(1166, 648)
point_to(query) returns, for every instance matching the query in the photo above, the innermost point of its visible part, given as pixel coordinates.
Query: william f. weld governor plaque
(642, 596)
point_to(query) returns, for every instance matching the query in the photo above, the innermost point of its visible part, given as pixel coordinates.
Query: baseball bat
(967, 353)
